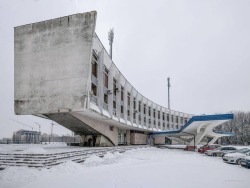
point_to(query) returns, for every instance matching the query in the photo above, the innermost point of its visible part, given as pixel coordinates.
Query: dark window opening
(105, 98)
(134, 103)
(106, 77)
(128, 98)
(93, 89)
(114, 87)
(122, 93)
(94, 64)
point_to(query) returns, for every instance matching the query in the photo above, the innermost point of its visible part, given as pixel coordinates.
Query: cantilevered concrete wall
(52, 64)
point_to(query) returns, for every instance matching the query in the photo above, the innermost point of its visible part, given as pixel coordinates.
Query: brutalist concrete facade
(64, 73)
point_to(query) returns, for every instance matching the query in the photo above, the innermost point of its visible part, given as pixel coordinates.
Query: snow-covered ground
(37, 148)
(148, 167)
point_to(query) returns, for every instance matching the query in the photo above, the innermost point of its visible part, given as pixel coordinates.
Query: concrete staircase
(52, 159)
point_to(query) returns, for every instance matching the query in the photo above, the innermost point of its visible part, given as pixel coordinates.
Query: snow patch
(93, 159)
(34, 151)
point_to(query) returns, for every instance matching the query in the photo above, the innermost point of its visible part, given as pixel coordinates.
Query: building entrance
(122, 137)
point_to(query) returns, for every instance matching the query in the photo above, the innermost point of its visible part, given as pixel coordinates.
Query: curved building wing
(64, 73)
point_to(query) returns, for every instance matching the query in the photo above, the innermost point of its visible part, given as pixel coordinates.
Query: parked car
(245, 161)
(208, 147)
(236, 151)
(219, 151)
(235, 158)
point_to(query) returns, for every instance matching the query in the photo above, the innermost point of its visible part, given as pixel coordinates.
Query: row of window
(142, 108)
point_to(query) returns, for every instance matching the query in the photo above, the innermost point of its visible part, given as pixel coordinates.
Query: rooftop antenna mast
(169, 92)
(111, 38)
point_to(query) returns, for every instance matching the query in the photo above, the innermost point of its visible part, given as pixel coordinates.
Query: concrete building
(26, 137)
(64, 73)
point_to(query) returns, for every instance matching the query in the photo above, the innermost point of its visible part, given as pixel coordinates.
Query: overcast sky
(202, 45)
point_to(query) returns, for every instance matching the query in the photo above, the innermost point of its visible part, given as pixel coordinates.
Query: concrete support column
(198, 138)
(161, 118)
(110, 89)
(156, 116)
(136, 109)
(131, 106)
(125, 102)
(100, 80)
(146, 115)
(118, 95)
(213, 140)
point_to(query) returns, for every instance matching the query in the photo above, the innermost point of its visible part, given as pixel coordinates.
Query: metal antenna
(111, 38)
(169, 92)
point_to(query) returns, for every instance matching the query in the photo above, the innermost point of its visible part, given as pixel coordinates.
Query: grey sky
(203, 45)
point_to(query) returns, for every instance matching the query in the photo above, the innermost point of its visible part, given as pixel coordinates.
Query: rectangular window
(144, 108)
(163, 116)
(172, 118)
(185, 120)
(167, 117)
(139, 106)
(134, 103)
(159, 115)
(129, 99)
(114, 87)
(176, 119)
(114, 104)
(121, 109)
(105, 98)
(128, 112)
(149, 111)
(94, 89)
(154, 113)
(94, 64)
(106, 77)
(122, 93)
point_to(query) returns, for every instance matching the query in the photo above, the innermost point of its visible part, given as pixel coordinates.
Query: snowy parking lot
(148, 167)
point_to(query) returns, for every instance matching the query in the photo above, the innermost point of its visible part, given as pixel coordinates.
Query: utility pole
(51, 131)
(111, 38)
(169, 92)
(39, 127)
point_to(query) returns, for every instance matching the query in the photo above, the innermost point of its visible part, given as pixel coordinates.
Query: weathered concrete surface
(53, 78)
(100, 126)
(138, 138)
(159, 140)
(52, 64)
